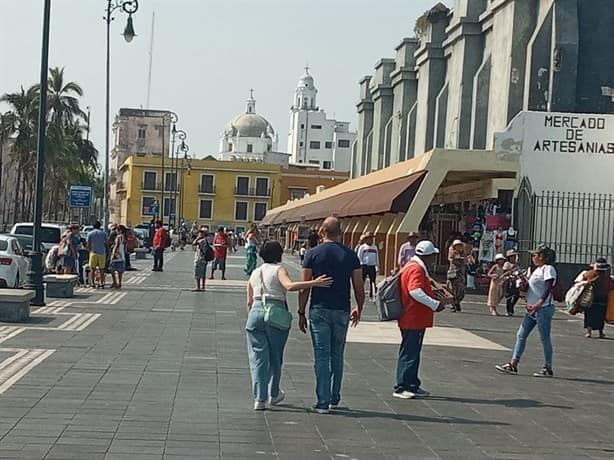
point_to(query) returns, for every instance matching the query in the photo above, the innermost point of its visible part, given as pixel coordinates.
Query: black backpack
(206, 251)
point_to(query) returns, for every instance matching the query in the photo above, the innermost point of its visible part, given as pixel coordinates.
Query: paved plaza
(155, 371)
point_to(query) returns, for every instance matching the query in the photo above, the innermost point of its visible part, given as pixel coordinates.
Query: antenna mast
(151, 42)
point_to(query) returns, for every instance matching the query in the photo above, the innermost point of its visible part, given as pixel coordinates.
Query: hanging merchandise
(487, 247)
(511, 239)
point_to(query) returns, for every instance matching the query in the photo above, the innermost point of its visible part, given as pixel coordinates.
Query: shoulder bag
(274, 314)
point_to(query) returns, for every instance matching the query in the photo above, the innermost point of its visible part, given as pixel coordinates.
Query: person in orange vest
(421, 303)
(160, 242)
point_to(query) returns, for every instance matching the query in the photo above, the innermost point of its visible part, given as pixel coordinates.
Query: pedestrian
(266, 288)
(407, 249)
(368, 256)
(540, 310)
(457, 273)
(160, 242)
(329, 310)
(130, 240)
(220, 251)
(420, 303)
(301, 253)
(118, 257)
(512, 271)
(594, 316)
(67, 253)
(203, 253)
(97, 259)
(497, 280)
(110, 243)
(251, 249)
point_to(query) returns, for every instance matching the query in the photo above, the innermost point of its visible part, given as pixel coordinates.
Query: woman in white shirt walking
(540, 310)
(267, 287)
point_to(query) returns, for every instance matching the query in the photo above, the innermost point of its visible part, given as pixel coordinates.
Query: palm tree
(24, 115)
(62, 98)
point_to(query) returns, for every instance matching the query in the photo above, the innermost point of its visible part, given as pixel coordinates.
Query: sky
(207, 54)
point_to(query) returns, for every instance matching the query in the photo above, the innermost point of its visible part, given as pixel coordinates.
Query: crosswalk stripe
(19, 366)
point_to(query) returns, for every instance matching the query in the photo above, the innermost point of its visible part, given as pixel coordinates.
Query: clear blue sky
(208, 53)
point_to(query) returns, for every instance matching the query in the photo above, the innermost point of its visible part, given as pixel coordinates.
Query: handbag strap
(262, 295)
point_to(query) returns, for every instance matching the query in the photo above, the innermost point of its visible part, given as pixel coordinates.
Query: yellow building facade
(227, 193)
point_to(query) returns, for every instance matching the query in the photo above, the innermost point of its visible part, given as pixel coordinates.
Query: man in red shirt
(160, 241)
(220, 249)
(420, 304)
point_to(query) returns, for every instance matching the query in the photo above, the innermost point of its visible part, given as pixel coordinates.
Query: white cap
(426, 248)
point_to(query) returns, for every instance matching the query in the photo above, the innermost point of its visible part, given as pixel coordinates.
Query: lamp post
(186, 163)
(130, 7)
(35, 272)
(180, 135)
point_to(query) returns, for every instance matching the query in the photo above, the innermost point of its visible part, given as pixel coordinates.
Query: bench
(61, 286)
(15, 304)
(140, 253)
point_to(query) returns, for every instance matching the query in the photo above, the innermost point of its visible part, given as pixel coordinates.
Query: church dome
(250, 125)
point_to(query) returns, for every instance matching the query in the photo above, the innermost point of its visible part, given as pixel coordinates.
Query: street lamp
(181, 136)
(35, 272)
(186, 163)
(130, 7)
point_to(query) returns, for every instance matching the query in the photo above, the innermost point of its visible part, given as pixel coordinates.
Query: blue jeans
(328, 330)
(543, 320)
(409, 360)
(265, 347)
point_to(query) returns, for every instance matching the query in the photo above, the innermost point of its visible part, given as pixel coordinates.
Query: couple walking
(327, 272)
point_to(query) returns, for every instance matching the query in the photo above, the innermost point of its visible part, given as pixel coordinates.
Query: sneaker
(321, 410)
(259, 405)
(279, 398)
(421, 393)
(333, 406)
(404, 394)
(545, 372)
(508, 368)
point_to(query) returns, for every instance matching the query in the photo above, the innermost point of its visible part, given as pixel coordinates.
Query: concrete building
(139, 133)
(314, 138)
(476, 67)
(250, 137)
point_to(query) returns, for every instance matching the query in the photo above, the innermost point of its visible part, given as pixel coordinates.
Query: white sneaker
(259, 405)
(321, 410)
(333, 406)
(404, 395)
(280, 397)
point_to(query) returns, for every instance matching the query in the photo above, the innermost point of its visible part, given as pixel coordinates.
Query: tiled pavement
(162, 373)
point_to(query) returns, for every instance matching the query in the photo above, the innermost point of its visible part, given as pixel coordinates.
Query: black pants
(409, 360)
(368, 271)
(127, 258)
(158, 258)
(512, 294)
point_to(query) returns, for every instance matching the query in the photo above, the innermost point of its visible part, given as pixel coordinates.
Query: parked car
(52, 233)
(13, 263)
(26, 242)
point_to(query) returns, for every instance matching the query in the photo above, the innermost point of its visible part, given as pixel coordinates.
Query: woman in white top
(118, 257)
(267, 286)
(540, 310)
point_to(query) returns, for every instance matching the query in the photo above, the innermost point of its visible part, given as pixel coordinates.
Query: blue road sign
(80, 196)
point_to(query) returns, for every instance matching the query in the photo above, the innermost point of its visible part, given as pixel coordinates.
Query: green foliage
(70, 158)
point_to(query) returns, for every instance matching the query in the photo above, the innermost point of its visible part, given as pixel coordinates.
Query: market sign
(563, 133)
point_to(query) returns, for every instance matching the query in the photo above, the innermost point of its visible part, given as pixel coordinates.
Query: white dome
(250, 125)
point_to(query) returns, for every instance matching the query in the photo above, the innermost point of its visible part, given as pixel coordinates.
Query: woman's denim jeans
(543, 320)
(265, 346)
(328, 330)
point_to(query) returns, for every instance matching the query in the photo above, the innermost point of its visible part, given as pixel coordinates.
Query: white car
(51, 233)
(13, 263)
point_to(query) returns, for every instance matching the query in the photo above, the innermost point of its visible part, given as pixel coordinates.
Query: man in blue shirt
(96, 240)
(329, 310)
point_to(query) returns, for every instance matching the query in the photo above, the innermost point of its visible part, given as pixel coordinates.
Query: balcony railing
(149, 186)
(206, 190)
(243, 191)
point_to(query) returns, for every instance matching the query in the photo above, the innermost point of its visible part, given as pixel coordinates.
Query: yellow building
(210, 192)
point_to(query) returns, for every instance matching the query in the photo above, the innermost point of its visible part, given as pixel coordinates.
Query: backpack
(51, 259)
(388, 298)
(130, 241)
(206, 251)
(558, 291)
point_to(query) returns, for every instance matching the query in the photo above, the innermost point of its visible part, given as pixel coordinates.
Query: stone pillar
(431, 65)
(381, 92)
(365, 125)
(405, 90)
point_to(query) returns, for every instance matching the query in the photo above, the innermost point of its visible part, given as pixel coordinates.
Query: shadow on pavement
(515, 403)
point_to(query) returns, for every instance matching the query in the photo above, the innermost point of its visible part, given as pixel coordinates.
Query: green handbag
(276, 314)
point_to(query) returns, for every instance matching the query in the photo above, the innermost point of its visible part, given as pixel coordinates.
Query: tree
(421, 26)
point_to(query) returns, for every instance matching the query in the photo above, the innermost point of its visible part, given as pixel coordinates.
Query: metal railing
(260, 192)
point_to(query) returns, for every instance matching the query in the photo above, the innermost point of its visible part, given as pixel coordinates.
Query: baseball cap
(426, 248)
